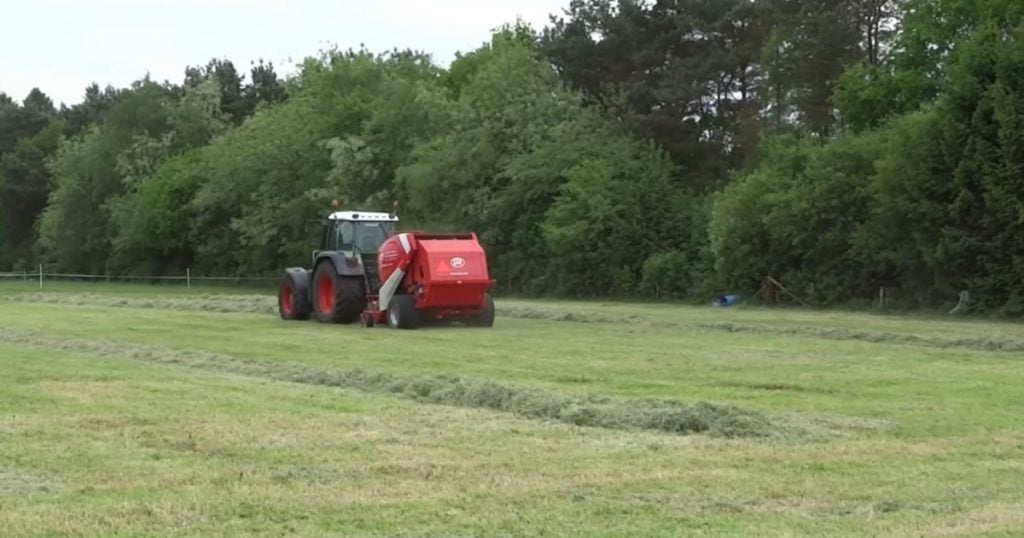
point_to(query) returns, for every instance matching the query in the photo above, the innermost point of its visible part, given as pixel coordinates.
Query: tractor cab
(351, 240)
(357, 231)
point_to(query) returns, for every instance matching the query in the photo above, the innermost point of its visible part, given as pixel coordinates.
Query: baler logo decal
(458, 263)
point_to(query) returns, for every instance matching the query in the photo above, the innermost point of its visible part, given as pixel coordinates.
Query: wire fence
(40, 277)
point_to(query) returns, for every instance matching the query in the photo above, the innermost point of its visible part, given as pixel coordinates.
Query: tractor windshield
(363, 236)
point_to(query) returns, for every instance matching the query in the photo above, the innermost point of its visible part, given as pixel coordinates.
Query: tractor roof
(365, 216)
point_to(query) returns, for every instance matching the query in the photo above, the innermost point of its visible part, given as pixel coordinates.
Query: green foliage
(616, 208)
(154, 223)
(667, 274)
(76, 230)
(930, 203)
(795, 218)
(24, 187)
(969, 190)
(478, 173)
(681, 149)
(564, 201)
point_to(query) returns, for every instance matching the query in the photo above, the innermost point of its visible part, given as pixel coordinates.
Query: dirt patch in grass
(593, 411)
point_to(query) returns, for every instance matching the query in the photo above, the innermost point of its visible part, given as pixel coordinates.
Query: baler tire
(486, 317)
(292, 300)
(345, 299)
(402, 312)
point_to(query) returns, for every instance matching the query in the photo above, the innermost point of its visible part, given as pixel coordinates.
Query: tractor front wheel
(337, 299)
(292, 297)
(402, 312)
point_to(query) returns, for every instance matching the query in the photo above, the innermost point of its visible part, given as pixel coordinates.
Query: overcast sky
(62, 46)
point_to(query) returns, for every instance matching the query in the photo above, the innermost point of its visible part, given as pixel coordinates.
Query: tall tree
(76, 229)
(95, 104)
(233, 101)
(22, 121)
(28, 138)
(686, 73)
(265, 86)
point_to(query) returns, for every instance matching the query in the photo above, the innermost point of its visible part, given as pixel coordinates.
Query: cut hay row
(826, 333)
(262, 304)
(591, 411)
(222, 303)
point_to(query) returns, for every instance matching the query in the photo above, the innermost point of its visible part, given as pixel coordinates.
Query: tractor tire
(402, 313)
(293, 298)
(337, 299)
(486, 317)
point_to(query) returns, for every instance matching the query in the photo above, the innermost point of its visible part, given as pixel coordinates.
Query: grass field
(134, 410)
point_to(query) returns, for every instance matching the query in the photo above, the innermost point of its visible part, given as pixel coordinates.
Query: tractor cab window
(361, 236)
(371, 235)
(346, 235)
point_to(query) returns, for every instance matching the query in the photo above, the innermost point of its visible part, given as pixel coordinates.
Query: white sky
(62, 46)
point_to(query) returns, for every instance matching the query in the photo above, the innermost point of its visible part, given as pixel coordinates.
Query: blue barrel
(728, 300)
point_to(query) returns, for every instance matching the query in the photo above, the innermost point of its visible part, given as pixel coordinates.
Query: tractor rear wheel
(486, 317)
(402, 312)
(293, 298)
(337, 299)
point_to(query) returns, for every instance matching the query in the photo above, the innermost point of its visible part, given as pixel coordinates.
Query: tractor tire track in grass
(592, 411)
(261, 304)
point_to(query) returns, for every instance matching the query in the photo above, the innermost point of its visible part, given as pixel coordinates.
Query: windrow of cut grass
(830, 333)
(225, 303)
(826, 333)
(590, 411)
(262, 304)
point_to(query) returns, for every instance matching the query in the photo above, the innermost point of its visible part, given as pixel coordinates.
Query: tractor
(367, 271)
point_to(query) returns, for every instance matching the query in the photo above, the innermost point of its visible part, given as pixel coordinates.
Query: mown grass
(264, 304)
(123, 418)
(602, 412)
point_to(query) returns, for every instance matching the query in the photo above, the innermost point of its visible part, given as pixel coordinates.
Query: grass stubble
(873, 481)
(262, 304)
(587, 411)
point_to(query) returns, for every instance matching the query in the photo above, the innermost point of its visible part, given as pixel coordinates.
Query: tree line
(682, 148)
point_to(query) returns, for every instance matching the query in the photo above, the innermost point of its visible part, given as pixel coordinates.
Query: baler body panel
(450, 273)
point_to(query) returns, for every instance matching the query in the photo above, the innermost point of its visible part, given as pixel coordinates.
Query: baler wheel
(292, 301)
(337, 299)
(486, 317)
(402, 312)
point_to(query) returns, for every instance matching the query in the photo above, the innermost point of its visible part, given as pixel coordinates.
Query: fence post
(188, 278)
(40, 276)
